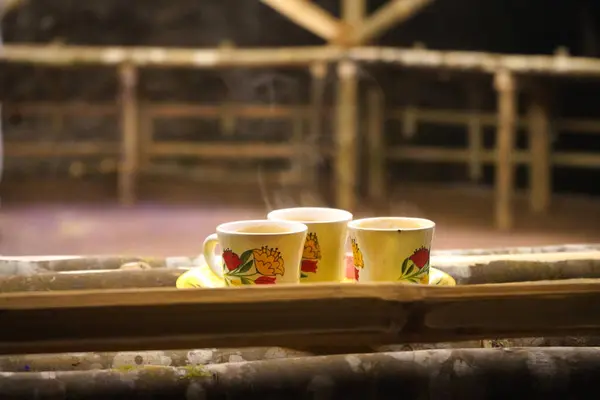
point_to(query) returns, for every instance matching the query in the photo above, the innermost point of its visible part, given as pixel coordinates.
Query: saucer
(203, 277)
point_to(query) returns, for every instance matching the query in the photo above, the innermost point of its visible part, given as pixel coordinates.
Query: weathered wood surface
(38, 265)
(466, 267)
(565, 248)
(370, 314)
(92, 279)
(132, 359)
(184, 358)
(478, 269)
(484, 373)
(35, 264)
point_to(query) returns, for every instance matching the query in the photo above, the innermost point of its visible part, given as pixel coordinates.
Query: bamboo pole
(168, 57)
(505, 86)
(346, 136)
(370, 314)
(129, 166)
(376, 144)
(478, 61)
(346, 154)
(300, 56)
(309, 16)
(528, 373)
(540, 180)
(394, 12)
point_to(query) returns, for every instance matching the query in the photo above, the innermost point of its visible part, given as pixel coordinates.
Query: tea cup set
(306, 245)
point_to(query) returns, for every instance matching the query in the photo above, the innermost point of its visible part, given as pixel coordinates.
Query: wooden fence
(539, 158)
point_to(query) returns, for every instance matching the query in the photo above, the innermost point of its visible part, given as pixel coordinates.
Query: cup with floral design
(256, 252)
(324, 249)
(391, 249)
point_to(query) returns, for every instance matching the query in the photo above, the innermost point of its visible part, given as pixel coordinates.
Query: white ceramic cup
(391, 249)
(323, 258)
(257, 252)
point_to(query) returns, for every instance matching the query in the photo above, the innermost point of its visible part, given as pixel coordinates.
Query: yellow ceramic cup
(256, 252)
(323, 258)
(391, 249)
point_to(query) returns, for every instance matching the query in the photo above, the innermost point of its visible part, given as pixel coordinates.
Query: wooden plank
(371, 314)
(222, 150)
(393, 13)
(129, 165)
(309, 16)
(505, 139)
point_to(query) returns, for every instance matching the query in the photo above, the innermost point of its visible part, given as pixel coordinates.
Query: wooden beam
(393, 13)
(308, 15)
(505, 141)
(372, 314)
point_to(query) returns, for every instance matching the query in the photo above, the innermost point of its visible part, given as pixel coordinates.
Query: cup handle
(209, 246)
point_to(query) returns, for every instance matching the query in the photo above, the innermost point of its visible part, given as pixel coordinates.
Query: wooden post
(504, 83)
(540, 180)
(475, 134)
(346, 156)
(346, 136)
(128, 167)
(318, 72)
(375, 144)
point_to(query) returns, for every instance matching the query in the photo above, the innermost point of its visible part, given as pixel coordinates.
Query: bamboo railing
(344, 149)
(473, 122)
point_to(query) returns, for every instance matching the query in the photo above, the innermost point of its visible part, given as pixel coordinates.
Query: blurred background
(111, 144)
